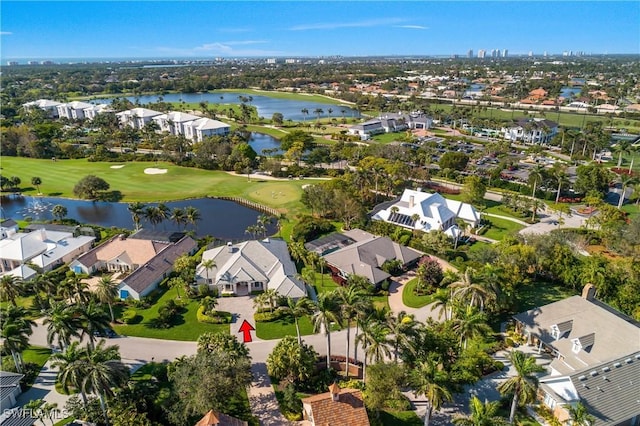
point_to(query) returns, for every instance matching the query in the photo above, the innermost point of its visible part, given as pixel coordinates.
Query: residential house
(173, 122)
(143, 262)
(50, 107)
(390, 123)
(632, 108)
(537, 95)
(596, 353)
(362, 253)
(201, 128)
(214, 418)
(338, 407)
(531, 130)
(251, 266)
(136, 117)
(45, 248)
(94, 110)
(9, 389)
(8, 227)
(424, 211)
(73, 110)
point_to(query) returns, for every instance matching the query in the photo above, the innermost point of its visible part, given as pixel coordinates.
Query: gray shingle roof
(611, 392)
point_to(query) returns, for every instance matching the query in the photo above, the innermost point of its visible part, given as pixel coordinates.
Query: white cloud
(234, 30)
(5, 33)
(412, 27)
(336, 25)
(227, 48)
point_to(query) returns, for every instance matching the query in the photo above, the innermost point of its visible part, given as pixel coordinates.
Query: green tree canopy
(90, 186)
(291, 361)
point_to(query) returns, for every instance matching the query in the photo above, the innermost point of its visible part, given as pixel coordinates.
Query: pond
(260, 142)
(570, 92)
(291, 109)
(222, 219)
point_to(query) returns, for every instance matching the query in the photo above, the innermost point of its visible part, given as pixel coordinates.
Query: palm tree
(163, 212)
(299, 308)
(470, 323)
(178, 216)
(208, 264)
(37, 182)
(71, 365)
(524, 384)
(59, 211)
(429, 379)
(10, 288)
(625, 181)
(351, 300)
(106, 291)
(579, 416)
(153, 215)
(443, 300)
(192, 215)
(327, 312)
(465, 289)
(622, 147)
(104, 371)
(375, 343)
(93, 320)
(403, 329)
(482, 414)
(304, 112)
(16, 329)
(61, 323)
(318, 112)
(535, 176)
(137, 210)
(560, 175)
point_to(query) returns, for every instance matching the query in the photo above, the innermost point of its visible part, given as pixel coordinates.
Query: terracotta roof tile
(349, 410)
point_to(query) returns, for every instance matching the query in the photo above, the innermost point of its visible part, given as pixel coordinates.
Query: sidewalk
(44, 388)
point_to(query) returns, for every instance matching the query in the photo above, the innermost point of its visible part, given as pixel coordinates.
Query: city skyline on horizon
(208, 30)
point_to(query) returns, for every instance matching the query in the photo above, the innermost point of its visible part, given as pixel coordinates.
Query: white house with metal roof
(136, 117)
(424, 211)
(174, 122)
(93, 111)
(251, 266)
(201, 128)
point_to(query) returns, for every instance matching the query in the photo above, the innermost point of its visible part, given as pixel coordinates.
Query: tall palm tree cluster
(260, 228)
(156, 214)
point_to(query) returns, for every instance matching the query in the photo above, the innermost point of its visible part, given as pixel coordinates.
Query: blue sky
(172, 29)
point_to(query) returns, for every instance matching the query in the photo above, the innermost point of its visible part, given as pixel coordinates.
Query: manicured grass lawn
(37, 355)
(410, 299)
(188, 328)
(325, 284)
(283, 327)
(400, 418)
(388, 137)
(540, 293)
(59, 178)
(500, 228)
(24, 302)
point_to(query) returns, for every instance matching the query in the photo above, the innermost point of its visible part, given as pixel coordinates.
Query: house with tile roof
(338, 407)
(215, 418)
(424, 211)
(46, 249)
(596, 352)
(251, 266)
(366, 255)
(144, 262)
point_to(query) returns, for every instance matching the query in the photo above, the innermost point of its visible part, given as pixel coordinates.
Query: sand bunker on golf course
(119, 166)
(154, 171)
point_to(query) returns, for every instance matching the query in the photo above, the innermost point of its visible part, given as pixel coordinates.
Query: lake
(225, 220)
(260, 141)
(266, 106)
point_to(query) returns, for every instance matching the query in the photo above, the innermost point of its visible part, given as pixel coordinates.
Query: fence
(255, 206)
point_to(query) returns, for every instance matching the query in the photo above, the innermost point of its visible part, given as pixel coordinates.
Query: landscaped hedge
(130, 316)
(216, 317)
(267, 316)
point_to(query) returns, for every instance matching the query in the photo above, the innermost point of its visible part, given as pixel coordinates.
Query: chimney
(589, 292)
(412, 201)
(230, 247)
(335, 391)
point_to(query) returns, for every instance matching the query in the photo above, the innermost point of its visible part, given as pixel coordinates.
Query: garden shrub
(130, 316)
(309, 228)
(266, 316)
(215, 317)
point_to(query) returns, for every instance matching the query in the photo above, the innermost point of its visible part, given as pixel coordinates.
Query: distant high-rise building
(12, 62)
(505, 53)
(470, 53)
(481, 53)
(545, 54)
(33, 62)
(530, 53)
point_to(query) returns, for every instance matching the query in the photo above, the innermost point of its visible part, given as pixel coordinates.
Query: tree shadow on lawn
(54, 194)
